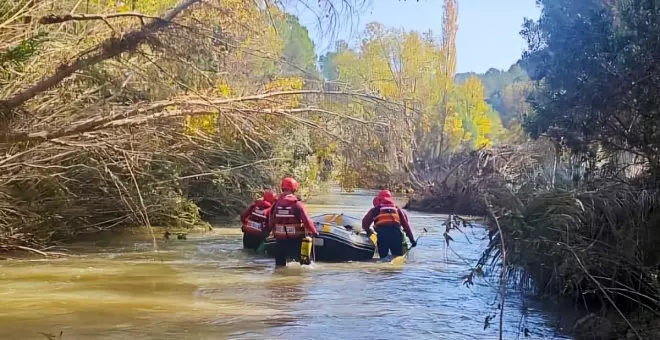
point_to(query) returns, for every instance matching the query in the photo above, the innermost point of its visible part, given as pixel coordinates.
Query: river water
(207, 287)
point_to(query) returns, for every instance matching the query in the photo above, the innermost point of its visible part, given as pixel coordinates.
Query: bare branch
(138, 116)
(56, 19)
(109, 48)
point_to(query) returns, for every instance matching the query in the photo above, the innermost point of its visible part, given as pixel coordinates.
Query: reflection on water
(207, 287)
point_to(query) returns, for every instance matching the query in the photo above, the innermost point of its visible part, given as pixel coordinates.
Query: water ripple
(209, 288)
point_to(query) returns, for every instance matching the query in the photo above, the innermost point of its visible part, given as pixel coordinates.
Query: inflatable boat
(340, 239)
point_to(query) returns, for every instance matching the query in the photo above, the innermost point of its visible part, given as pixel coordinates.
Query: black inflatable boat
(340, 239)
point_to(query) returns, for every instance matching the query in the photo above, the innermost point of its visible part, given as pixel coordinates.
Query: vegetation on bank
(575, 212)
(169, 112)
(129, 113)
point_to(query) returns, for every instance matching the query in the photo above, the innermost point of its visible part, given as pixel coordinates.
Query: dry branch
(57, 19)
(108, 49)
(140, 115)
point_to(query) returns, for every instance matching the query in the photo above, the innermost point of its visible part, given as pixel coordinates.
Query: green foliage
(586, 227)
(609, 95)
(495, 80)
(502, 90)
(24, 50)
(328, 62)
(298, 50)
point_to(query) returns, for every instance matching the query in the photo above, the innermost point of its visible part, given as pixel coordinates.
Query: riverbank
(445, 203)
(592, 250)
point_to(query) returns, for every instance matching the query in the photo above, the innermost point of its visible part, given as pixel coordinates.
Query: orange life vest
(287, 223)
(256, 221)
(387, 215)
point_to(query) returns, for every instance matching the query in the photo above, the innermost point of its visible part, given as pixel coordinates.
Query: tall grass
(593, 241)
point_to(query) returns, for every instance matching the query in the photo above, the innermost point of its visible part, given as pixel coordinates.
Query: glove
(413, 243)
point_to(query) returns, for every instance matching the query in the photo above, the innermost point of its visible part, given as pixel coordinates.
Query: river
(207, 287)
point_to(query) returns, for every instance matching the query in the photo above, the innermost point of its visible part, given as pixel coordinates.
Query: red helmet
(269, 196)
(290, 184)
(384, 193)
(381, 194)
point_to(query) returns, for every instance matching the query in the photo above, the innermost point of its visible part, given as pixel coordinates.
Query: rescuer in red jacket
(381, 194)
(289, 222)
(255, 220)
(388, 219)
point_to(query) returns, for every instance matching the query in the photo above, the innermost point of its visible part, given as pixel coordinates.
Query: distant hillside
(505, 91)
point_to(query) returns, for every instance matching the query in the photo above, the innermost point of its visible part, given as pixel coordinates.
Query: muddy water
(206, 287)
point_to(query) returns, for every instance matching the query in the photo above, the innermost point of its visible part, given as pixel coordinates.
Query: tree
(298, 48)
(500, 87)
(114, 118)
(433, 116)
(514, 103)
(609, 95)
(449, 29)
(479, 122)
(328, 66)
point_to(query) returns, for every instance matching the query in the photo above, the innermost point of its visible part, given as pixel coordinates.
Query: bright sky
(488, 30)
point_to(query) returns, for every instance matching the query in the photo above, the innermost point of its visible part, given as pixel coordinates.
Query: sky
(488, 30)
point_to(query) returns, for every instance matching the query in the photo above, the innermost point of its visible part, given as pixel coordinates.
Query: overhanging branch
(107, 49)
(181, 107)
(57, 19)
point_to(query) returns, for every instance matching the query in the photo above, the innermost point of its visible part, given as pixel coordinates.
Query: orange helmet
(290, 184)
(269, 196)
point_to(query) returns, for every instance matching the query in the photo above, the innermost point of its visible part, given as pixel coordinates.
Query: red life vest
(387, 214)
(288, 224)
(257, 220)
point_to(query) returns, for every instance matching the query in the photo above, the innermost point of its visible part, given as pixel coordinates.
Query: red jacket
(260, 203)
(290, 200)
(368, 219)
(257, 212)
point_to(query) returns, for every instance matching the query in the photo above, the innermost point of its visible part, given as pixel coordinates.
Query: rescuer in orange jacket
(255, 220)
(388, 219)
(289, 222)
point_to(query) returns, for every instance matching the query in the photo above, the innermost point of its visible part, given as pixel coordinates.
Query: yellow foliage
(286, 84)
(477, 116)
(325, 151)
(348, 179)
(415, 70)
(207, 123)
(249, 28)
(223, 89)
(149, 7)
(454, 130)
